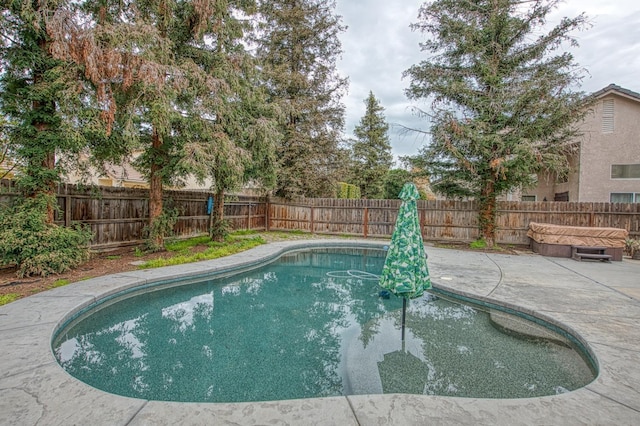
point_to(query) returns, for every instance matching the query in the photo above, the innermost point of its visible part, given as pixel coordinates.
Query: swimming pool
(309, 324)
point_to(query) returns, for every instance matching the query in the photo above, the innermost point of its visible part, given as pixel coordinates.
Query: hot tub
(557, 240)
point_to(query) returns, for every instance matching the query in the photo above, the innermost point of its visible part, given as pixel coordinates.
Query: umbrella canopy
(405, 271)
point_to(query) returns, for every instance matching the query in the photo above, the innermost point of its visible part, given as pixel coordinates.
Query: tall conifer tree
(47, 117)
(38, 94)
(371, 150)
(244, 132)
(503, 105)
(175, 80)
(298, 47)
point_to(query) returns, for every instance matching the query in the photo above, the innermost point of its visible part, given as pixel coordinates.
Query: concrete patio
(599, 302)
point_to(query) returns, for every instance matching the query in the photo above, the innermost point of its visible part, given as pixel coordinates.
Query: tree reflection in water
(291, 329)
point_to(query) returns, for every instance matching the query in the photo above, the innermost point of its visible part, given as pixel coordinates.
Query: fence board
(117, 216)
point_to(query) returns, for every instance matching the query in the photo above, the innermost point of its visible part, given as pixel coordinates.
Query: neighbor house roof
(621, 91)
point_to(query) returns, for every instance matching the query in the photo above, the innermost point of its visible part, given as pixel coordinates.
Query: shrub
(161, 228)
(35, 246)
(347, 190)
(219, 229)
(631, 247)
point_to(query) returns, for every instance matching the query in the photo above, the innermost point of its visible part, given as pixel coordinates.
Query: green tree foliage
(503, 108)
(7, 159)
(298, 47)
(174, 78)
(39, 96)
(394, 180)
(129, 56)
(45, 113)
(372, 156)
(242, 145)
(347, 190)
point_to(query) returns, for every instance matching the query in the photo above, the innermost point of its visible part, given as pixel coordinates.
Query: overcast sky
(378, 46)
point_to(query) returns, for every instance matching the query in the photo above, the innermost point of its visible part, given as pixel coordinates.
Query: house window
(528, 198)
(607, 116)
(561, 196)
(625, 197)
(625, 171)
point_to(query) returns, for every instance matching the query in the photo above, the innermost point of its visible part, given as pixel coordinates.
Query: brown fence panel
(114, 215)
(285, 216)
(248, 214)
(446, 220)
(382, 215)
(117, 216)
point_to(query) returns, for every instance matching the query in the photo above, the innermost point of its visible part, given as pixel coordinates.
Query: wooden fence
(117, 216)
(444, 220)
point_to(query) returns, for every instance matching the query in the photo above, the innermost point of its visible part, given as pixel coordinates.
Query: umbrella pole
(404, 312)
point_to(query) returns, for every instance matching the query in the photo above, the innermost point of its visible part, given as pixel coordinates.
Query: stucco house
(124, 175)
(606, 166)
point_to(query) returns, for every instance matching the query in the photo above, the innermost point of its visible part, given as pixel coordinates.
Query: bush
(160, 229)
(631, 247)
(219, 229)
(35, 246)
(347, 190)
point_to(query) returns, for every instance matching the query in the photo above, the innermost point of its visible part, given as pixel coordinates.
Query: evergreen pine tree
(36, 93)
(371, 150)
(503, 108)
(174, 78)
(298, 47)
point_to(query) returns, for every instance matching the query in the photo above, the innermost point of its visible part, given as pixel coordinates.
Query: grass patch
(59, 283)
(114, 257)
(8, 298)
(478, 244)
(231, 246)
(182, 245)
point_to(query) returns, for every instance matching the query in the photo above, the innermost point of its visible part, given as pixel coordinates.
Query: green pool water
(310, 324)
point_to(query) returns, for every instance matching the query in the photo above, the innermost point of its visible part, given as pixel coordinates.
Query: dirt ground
(121, 260)
(104, 263)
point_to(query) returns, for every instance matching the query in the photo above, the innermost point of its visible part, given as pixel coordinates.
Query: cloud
(379, 45)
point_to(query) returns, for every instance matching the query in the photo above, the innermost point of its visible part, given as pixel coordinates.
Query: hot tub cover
(546, 233)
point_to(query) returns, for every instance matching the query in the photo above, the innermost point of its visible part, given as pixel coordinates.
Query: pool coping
(598, 302)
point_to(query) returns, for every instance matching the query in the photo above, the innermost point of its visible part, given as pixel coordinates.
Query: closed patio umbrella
(405, 271)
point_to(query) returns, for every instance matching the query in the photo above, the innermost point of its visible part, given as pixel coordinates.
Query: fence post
(67, 211)
(365, 225)
(249, 216)
(312, 219)
(267, 215)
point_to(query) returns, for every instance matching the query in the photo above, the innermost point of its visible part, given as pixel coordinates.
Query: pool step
(594, 253)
